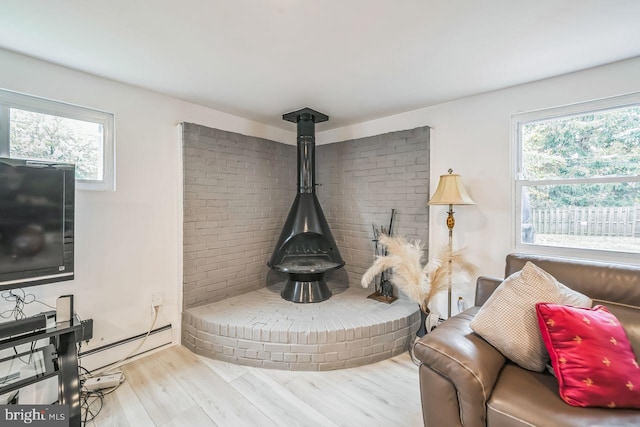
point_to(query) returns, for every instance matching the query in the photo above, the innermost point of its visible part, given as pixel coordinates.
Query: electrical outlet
(156, 299)
(156, 302)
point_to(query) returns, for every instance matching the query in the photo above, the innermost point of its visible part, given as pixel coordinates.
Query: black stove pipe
(306, 120)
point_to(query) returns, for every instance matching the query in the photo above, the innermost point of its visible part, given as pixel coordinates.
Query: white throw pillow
(508, 319)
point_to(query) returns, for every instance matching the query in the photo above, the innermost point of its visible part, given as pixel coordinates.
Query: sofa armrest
(485, 287)
(458, 372)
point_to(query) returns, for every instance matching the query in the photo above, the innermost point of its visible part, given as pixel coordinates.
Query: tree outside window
(34, 128)
(43, 136)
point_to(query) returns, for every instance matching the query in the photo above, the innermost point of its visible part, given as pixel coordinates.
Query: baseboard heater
(100, 357)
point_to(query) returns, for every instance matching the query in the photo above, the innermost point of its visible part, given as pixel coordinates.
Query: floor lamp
(450, 192)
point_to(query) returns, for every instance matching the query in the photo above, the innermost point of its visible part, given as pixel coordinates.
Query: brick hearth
(261, 329)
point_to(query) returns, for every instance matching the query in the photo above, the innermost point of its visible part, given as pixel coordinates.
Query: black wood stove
(306, 249)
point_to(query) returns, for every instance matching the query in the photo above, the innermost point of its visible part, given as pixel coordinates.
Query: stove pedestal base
(306, 288)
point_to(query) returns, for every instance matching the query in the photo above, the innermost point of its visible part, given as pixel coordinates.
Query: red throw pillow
(591, 356)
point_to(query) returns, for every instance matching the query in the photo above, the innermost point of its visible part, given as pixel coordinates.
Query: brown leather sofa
(464, 381)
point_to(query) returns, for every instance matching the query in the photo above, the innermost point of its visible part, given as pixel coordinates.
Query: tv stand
(60, 359)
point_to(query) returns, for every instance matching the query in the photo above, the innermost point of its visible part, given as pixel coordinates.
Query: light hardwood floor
(176, 388)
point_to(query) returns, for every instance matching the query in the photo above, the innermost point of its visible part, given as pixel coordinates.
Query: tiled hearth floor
(261, 329)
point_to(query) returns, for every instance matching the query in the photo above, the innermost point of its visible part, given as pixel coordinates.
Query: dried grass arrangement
(420, 282)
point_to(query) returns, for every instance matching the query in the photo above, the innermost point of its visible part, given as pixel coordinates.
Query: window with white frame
(41, 129)
(577, 178)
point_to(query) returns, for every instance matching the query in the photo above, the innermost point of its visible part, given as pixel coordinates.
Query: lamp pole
(451, 222)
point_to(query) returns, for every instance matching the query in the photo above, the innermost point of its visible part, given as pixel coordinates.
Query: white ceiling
(354, 60)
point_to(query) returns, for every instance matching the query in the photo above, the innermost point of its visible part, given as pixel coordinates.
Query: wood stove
(306, 249)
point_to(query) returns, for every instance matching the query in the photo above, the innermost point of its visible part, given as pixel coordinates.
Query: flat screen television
(37, 202)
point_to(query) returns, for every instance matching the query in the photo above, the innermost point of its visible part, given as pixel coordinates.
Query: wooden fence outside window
(588, 221)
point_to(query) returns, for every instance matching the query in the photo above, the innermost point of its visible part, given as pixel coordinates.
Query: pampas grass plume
(419, 282)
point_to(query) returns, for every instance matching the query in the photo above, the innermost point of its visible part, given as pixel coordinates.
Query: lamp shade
(451, 191)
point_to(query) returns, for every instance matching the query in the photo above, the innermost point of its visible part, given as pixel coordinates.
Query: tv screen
(36, 222)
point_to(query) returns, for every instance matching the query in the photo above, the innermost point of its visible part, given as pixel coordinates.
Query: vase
(423, 329)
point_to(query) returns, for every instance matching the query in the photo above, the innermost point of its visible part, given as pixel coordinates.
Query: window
(577, 179)
(41, 129)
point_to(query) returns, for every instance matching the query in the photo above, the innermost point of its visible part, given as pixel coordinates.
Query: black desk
(61, 359)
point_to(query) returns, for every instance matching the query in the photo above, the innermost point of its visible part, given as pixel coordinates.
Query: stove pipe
(306, 249)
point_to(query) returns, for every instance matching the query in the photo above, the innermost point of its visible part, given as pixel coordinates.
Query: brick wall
(238, 191)
(362, 180)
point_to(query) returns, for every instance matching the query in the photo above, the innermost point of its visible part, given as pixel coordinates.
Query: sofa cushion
(508, 319)
(629, 317)
(525, 398)
(591, 356)
(598, 279)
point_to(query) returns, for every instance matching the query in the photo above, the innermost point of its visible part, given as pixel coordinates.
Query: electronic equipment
(64, 308)
(36, 222)
(22, 326)
(103, 381)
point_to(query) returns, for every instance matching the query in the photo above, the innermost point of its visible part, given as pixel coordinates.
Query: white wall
(128, 241)
(472, 136)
